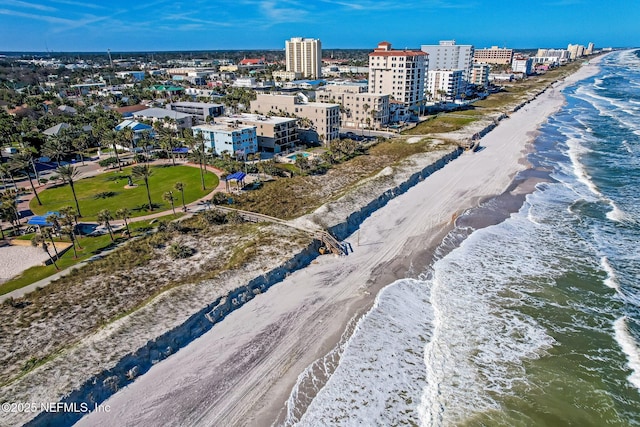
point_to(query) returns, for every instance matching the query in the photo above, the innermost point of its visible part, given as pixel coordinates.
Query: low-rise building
(140, 131)
(229, 138)
(522, 65)
(173, 119)
(321, 121)
(275, 134)
(201, 111)
(358, 107)
(286, 75)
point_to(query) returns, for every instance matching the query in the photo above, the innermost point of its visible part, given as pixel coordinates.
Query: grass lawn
(441, 123)
(91, 245)
(111, 186)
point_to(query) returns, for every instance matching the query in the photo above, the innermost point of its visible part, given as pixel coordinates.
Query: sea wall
(100, 387)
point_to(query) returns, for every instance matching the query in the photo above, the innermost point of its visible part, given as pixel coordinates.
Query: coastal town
(192, 185)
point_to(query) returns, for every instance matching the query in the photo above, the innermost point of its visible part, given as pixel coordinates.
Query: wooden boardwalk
(330, 242)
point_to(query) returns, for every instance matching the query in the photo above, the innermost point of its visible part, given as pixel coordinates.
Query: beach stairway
(330, 242)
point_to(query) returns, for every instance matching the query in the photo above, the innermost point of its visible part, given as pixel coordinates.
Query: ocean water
(534, 321)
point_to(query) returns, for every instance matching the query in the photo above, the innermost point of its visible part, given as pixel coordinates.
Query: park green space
(111, 186)
(90, 246)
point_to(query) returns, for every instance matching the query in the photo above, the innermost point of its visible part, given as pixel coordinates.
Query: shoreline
(261, 348)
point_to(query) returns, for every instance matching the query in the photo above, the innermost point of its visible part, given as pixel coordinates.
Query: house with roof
(55, 130)
(201, 111)
(65, 109)
(166, 90)
(173, 119)
(140, 131)
(127, 112)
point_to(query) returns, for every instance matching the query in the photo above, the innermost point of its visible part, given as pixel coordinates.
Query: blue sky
(76, 25)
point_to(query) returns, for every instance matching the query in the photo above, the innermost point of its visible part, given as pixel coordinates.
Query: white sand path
(242, 371)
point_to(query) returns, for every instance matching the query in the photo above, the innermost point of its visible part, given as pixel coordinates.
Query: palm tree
(180, 187)
(143, 172)
(24, 161)
(127, 134)
(124, 213)
(168, 197)
(365, 107)
(49, 232)
(81, 143)
(68, 221)
(6, 172)
(104, 218)
(39, 240)
(57, 147)
(195, 141)
(68, 173)
(110, 137)
(9, 208)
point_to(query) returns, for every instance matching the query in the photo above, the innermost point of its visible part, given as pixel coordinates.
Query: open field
(111, 185)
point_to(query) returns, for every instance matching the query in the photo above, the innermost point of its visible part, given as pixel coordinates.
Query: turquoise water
(295, 156)
(531, 322)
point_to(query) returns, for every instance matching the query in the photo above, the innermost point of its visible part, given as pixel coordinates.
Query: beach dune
(242, 371)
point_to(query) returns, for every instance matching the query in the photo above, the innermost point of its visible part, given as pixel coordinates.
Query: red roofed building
(399, 73)
(252, 61)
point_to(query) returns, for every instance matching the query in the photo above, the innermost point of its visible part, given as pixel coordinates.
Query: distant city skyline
(170, 25)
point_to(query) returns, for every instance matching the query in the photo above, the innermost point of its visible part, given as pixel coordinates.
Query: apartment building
(275, 134)
(399, 73)
(480, 75)
(200, 111)
(444, 85)
(231, 138)
(447, 55)
(358, 107)
(560, 54)
(494, 55)
(173, 119)
(522, 65)
(286, 75)
(322, 120)
(304, 56)
(575, 51)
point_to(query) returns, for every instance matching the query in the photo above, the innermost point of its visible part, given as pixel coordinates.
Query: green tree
(105, 218)
(195, 141)
(68, 222)
(9, 208)
(57, 147)
(40, 240)
(124, 214)
(168, 197)
(81, 143)
(180, 187)
(50, 232)
(143, 172)
(24, 162)
(68, 173)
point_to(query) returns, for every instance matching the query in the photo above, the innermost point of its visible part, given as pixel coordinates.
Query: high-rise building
(447, 55)
(444, 85)
(304, 56)
(575, 51)
(399, 73)
(495, 55)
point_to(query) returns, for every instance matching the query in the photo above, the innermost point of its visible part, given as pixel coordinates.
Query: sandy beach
(242, 371)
